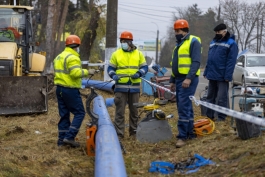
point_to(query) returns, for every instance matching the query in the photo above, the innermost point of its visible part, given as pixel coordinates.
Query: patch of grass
(28, 148)
(9, 169)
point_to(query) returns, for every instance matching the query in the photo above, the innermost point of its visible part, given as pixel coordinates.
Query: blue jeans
(69, 101)
(217, 94)
(185, 109)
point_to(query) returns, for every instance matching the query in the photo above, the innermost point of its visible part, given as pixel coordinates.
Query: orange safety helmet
(126, 35)
(72, 39)
(181, 23)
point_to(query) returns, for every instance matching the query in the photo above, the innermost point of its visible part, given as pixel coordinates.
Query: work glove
(91, 71)
(156, 67)
(115, 78)
(135, 76)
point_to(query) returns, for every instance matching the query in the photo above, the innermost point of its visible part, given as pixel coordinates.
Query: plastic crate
(146, 87)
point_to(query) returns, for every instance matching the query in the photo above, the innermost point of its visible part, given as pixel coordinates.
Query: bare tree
(49, 37)
(90, 33)
(242, 18)
(56, 21)
(61, 26)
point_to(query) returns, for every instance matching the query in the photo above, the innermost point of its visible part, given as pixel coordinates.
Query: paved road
(204, 82)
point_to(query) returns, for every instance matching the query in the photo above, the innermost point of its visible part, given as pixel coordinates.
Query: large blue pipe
(101, 85)
(109, 160)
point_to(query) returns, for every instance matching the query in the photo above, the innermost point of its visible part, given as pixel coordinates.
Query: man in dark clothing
(219, 68)
(185, 64)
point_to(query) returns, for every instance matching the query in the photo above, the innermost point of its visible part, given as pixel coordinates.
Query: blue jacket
(222, 57)
(195, 53)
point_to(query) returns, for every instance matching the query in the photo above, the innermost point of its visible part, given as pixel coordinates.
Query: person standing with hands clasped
(126, 66)
(67, 77)
(219, 69)
(185, 64)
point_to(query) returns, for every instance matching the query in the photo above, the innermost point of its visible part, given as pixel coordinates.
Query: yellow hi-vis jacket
(184, 60)
(127, 64)
(68, 70)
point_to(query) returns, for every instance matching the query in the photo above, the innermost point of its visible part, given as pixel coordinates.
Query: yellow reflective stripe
(65, 68)
(126, 86)
(59, 71)
(128, 67)
(184, 56)
(184, 65)
(123, 75)
(73, 67)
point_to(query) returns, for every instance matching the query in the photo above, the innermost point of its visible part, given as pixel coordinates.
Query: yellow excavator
(23, 87)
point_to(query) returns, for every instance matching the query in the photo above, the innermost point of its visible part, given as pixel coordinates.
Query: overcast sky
(144, 17)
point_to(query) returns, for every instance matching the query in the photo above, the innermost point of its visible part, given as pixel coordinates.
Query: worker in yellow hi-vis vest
(186, 58)
(126, 66)
(68, 75)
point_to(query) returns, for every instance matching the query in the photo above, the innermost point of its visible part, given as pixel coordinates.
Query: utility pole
(157, 37)
(111, 33)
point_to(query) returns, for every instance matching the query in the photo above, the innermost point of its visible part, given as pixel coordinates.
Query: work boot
(72, 143)
(180, 143)
(60, 142)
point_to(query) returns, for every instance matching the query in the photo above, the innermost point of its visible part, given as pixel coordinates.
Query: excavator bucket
(23, 94)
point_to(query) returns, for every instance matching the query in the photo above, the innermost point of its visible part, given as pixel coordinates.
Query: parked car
(249, 69)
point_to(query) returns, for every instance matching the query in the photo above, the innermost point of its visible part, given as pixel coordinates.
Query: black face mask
(218, 36)
(179, 37)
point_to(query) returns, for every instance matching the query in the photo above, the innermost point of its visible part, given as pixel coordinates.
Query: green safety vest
(68, 70)
(127, 64)
(184, 59)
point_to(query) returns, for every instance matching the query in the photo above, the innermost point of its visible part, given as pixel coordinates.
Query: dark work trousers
(185, 109)
(69, 101)
(217, 94)
(120, 100)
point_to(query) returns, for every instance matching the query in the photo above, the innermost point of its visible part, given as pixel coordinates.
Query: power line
(143, 16)
(169, 6)
(143, 13)
(143, 5)
(157, 10)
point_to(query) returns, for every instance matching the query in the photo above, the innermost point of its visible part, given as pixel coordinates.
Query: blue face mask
(124, 46)
(77, 50)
